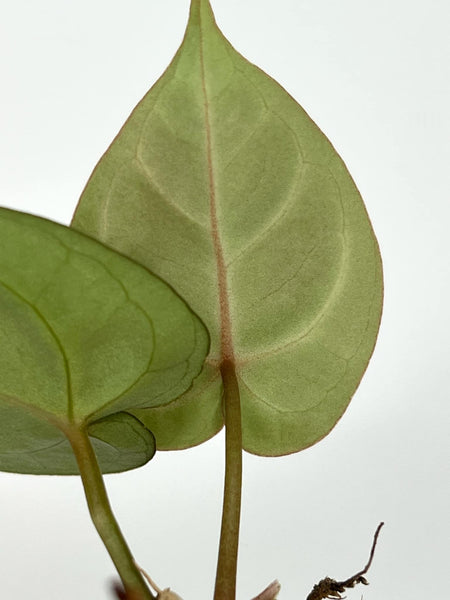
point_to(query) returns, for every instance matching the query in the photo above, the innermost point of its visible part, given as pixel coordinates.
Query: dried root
(332, 589)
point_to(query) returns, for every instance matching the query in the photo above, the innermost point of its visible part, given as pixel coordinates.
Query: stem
(229, 536)
(103, 517)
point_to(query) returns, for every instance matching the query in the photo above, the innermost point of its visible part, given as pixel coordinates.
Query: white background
(375, 77)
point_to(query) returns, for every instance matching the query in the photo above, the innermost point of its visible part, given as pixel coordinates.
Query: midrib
(226, 342)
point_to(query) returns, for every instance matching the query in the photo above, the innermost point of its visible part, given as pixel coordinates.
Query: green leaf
(86, 335)
(221, 184)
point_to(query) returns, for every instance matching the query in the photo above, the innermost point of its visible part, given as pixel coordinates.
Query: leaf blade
(86, 334)
(269, 240)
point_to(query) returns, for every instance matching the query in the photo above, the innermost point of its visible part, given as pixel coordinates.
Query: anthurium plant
(220, 271)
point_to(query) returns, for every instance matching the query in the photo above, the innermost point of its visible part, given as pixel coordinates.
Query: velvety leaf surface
(86, 334)
(221, 184)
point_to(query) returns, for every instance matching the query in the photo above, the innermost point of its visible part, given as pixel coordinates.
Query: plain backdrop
(375, 78)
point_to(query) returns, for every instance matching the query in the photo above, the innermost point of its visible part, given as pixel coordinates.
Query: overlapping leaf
(222, 185)
(85, 335)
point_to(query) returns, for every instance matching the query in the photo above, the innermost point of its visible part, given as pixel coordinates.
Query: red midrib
(226, 342)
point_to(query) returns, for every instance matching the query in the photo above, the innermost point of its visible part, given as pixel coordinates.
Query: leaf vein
(57, 341)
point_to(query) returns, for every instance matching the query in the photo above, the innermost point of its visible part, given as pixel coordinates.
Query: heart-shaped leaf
(222, 185)
(85, 335)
